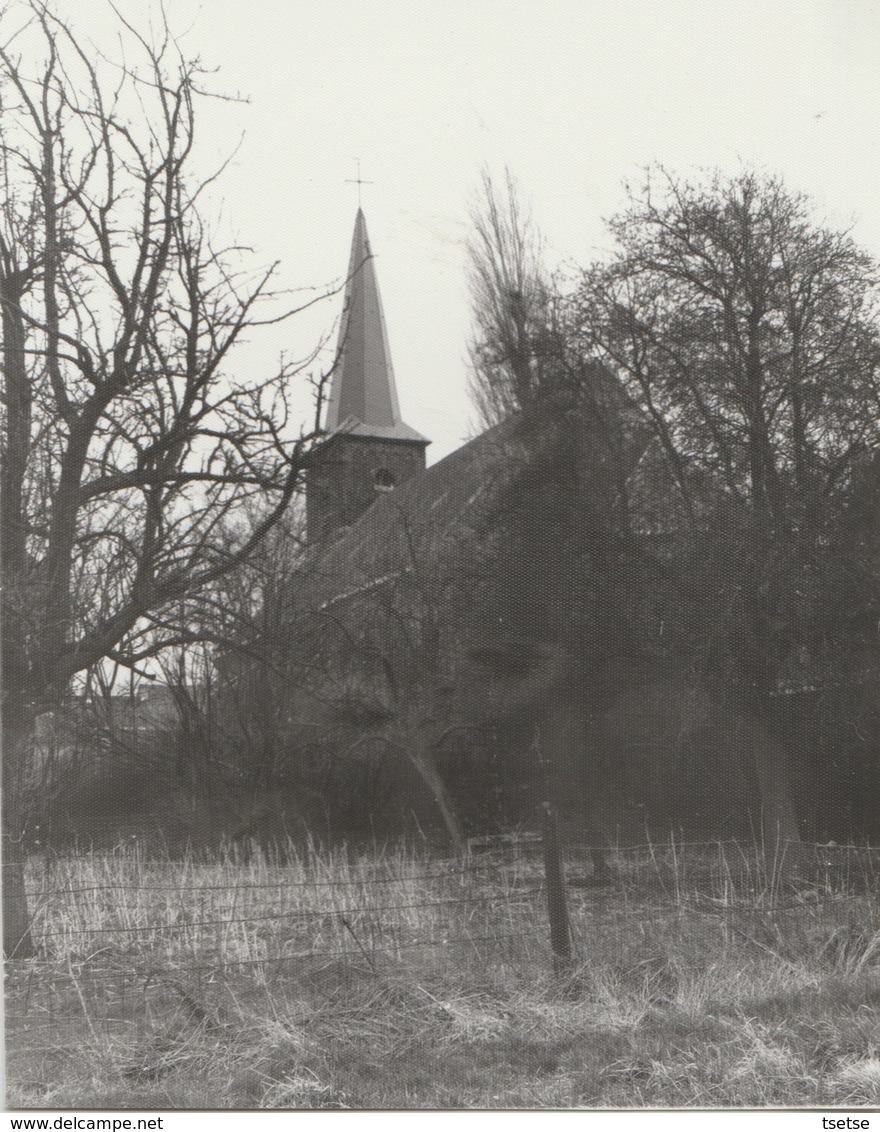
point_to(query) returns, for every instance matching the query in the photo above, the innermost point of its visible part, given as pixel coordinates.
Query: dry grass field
(396, 980)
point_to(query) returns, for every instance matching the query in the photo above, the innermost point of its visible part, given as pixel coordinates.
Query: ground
(391, 979)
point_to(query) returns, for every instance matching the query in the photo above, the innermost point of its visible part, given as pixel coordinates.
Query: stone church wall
(349, 474)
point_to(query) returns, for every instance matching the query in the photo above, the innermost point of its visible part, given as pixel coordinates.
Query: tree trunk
(779, 829)
(17, 730)
(423, 760)
(569, 764)
(17, 940)
(779, 825)
(17, 721)
(759, 661)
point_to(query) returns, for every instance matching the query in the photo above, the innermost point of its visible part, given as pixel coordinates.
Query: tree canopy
(747, 334)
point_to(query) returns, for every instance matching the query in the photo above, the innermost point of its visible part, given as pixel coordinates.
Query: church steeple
(363, 394)
(369, 449)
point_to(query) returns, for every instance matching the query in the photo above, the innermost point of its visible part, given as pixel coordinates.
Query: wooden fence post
(557, 906)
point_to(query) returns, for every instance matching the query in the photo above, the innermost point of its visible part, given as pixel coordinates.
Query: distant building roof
(363, 394)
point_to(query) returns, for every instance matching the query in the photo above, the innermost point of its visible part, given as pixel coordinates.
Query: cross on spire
(357, 180)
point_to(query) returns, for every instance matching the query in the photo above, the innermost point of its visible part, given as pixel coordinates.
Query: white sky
(575, 96)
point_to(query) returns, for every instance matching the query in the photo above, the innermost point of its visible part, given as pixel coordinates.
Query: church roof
(363, 394)
(445, 504)
(449, 508)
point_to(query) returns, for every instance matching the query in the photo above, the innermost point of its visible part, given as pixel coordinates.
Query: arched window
(384, 479)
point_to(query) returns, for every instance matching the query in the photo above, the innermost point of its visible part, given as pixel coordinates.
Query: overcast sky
(574, 96)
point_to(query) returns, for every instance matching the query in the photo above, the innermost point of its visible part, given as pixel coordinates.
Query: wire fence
(124, 942)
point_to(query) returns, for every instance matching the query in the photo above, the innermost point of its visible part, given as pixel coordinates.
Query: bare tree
(747, 334)
(513, 349)
(128, 449)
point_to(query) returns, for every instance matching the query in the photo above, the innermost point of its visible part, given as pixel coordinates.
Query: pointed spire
(363, 395)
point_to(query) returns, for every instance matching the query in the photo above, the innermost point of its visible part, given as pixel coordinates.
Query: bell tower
(369, 449)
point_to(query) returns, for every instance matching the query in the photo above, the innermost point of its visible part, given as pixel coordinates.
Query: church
(470, 625)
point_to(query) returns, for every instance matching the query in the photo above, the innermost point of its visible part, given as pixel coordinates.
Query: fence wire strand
(502, 909)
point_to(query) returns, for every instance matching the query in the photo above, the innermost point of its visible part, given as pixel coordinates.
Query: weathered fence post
(557, 906)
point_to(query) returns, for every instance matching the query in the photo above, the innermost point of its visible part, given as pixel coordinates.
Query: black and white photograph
(440, 556)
